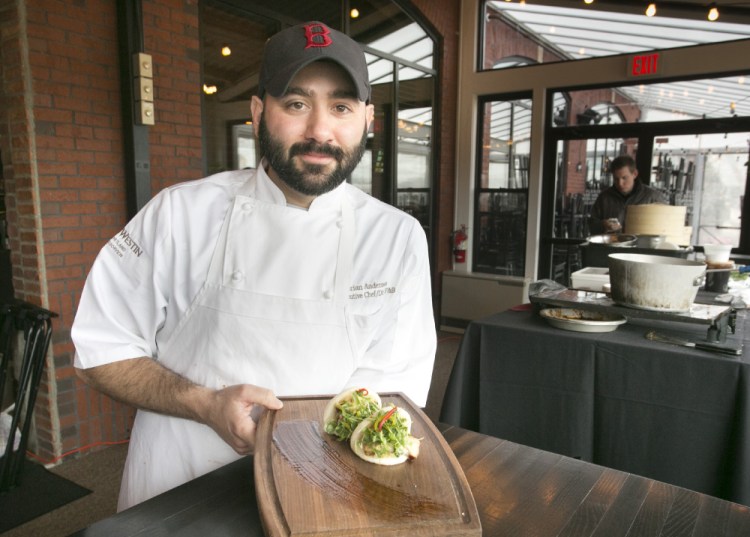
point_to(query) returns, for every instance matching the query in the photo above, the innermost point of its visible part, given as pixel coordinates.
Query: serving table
(617, 399)
(519, 490)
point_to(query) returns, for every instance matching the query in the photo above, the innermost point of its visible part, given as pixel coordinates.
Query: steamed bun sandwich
(385, 438)
(347, 410)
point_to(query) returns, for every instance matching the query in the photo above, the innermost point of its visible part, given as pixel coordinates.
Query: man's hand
(145, 383)
(612, 224)
(231, 413)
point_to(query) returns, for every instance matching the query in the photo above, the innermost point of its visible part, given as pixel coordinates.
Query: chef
(226, 292)
(609, 209)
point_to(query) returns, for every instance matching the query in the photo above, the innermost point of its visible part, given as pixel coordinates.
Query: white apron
(271, 313)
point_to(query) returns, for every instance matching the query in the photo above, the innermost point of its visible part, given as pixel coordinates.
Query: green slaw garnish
(386, 436)
(352, 411)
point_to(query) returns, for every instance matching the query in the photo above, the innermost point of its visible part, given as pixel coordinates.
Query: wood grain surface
(308, 483)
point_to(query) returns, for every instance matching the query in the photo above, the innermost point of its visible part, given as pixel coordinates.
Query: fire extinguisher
(459, 244)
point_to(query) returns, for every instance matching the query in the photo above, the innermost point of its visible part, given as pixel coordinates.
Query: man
(224, 293)
(608, 211)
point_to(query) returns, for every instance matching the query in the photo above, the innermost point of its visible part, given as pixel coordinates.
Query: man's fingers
(267, 398)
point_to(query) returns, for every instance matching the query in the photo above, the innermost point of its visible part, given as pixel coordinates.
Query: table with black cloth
(616, 399)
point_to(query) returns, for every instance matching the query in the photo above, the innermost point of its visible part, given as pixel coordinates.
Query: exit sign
(644, 64)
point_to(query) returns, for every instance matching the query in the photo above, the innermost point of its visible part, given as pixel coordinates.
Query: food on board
(346, 410)
(385, 438)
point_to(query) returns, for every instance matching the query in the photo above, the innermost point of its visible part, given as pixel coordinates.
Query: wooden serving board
(308, 483)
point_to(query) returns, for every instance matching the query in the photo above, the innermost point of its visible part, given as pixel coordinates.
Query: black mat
(40, 492)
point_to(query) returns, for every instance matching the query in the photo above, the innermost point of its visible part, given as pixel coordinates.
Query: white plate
(582, 320)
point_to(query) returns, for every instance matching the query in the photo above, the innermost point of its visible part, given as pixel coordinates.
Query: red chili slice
(363, 391)
(385, 418)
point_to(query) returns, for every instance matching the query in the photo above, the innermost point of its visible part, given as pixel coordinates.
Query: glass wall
(555, 33)
(686, 132)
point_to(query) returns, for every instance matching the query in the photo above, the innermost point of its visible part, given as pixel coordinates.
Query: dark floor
(100, 471)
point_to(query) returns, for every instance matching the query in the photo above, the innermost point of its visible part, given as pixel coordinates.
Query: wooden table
(519, 491)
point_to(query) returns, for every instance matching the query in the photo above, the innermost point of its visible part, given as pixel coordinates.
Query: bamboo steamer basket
(658, 219)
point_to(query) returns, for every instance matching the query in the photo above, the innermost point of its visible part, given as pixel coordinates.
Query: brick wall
(62, 147)
(63, 154)
(171, 37)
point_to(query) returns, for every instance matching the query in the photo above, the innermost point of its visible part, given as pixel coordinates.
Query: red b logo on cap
(317, 35)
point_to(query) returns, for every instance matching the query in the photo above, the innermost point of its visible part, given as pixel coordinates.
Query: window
(502, 186)
(557, 33)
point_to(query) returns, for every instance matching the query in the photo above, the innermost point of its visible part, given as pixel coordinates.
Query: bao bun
(356, 441)
(330, 414)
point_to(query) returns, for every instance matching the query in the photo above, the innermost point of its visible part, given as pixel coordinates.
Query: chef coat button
(247, 206)
(237, 276)
(327, 295)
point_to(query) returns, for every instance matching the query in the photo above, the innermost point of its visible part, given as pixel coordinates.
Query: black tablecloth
(617, 399)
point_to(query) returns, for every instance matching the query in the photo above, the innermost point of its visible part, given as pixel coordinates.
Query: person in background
(225, 293)
(608, 211)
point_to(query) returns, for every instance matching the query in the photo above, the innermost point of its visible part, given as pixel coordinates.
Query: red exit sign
(644, 64)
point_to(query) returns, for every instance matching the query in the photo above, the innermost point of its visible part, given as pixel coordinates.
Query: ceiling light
(354, 13)
(209, 90)
(713, 12)
(651, 10)
(588, 1)
(225, 50)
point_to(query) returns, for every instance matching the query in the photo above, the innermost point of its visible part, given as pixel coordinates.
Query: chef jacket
(146, 281)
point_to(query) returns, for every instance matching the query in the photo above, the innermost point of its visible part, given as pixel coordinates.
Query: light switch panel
(144, 89)
(142, 65)
(145, 114)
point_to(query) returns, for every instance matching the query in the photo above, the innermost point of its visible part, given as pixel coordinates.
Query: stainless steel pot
(655, 282)
(613, 239)
(650, 241)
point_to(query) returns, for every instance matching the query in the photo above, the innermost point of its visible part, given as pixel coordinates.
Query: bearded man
(228, 292)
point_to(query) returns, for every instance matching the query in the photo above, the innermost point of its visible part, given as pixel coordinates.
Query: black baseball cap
(294, 48)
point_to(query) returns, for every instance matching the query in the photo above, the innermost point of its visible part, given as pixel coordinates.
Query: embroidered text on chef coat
(123, 244)
(370, 290)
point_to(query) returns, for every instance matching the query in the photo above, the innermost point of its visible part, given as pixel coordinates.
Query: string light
(225, 50)
(713, 12)
(354, 13)
(588, 1)
(651, 10)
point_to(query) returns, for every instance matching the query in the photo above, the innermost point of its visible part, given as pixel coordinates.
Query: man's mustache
(302, 148)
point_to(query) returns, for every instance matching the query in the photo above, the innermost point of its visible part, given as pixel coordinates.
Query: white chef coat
(149, 277)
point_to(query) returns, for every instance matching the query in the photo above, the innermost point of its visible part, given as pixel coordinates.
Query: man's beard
(311, 179)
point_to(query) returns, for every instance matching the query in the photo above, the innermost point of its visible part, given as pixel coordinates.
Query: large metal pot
(654, 282)
(613, 239)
